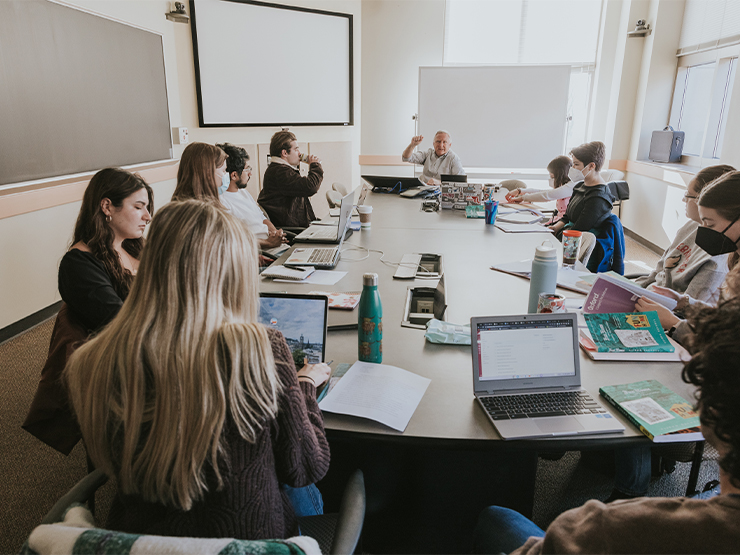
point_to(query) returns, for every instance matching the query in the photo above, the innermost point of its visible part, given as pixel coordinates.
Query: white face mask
(551, 182)
(576, 175)
(225, 181)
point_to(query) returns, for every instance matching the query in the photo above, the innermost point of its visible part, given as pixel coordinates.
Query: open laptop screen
(520, 349)
(301, 319)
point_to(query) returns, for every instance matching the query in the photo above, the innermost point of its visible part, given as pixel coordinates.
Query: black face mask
(715, 242)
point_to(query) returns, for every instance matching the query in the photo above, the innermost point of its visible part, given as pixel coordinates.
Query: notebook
(324, 258)
(329, 234)
(302, 319)
(527, 377)
(334, 212)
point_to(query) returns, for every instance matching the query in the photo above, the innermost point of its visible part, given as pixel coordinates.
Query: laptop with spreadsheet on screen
(527, 377)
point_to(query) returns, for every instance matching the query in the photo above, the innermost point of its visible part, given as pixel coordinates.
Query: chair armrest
(351, 516)
(80, 493)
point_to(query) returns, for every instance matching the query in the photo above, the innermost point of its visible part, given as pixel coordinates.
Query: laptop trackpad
(558, 424)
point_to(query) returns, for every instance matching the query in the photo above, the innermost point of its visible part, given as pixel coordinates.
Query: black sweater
(589, 207)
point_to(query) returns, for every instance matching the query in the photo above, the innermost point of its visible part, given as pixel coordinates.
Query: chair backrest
(588, 242)
(620, 190)
(512, 184)
(611, 175)
(334, 198)
(339, 187)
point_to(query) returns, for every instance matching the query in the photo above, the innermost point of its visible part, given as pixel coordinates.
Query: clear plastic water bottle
(544, 278)
(370, 323)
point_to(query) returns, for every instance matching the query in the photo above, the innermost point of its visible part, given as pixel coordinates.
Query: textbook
(610, 294)
(589, 347)
(343, 300)
(637, 332)
(658, 412)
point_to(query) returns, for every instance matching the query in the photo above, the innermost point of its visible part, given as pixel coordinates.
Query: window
(700, 102)
(530, 32)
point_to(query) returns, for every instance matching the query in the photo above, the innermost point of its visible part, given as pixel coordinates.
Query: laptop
(527, 377)
(334, 212)
(330, 233)
(321, 258)
(302, 319)
(397, 185)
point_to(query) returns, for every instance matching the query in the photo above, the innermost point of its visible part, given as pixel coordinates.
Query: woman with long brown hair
(194, 406)
(96, 274)
(201, 172)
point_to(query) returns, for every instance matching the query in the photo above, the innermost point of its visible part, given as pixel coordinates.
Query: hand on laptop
(318, 373)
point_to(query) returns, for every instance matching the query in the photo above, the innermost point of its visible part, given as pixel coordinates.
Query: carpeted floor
(34, 476)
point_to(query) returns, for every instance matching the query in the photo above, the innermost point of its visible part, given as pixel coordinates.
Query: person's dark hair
(559, 167)
(715, 369)
(706, 175)
(237, 157)
(92, 228)
(196, 176)
(281, 141)
(593, 152)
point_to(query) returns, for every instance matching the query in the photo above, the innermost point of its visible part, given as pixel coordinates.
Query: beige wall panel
(336, 159)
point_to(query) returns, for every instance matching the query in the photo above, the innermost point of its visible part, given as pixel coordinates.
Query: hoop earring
(108, 218)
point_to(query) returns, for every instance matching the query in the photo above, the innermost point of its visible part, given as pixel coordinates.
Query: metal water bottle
(544, 277)
(370, 323)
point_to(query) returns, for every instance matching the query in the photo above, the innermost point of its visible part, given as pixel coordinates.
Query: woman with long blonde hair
(192, 405)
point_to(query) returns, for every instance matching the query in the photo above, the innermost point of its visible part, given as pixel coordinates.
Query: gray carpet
(35, 476)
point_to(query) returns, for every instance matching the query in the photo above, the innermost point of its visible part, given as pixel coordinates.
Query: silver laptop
(334, 212)
(527, 377)
(317, 257)
(330, 233)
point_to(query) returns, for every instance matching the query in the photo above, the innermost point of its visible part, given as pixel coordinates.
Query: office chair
(334, 198)
(620, 190)
(341, 189)
(335, 532)
(588, 242)
(512, 184)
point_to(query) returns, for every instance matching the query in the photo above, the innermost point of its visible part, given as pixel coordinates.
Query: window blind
(709, 24)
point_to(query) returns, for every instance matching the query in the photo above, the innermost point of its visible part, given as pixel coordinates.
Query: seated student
(201, 172)
(719, 210)
(95, 276)
(195, 407)
(437, 161)
(684, 267)
(655, 525)
(560, 191)
(237, 200)
(285, 193)
(97, 272)
(591, 202)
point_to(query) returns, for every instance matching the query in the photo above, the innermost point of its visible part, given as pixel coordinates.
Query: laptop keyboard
(327, 233)
(321, 256)
(536, 405)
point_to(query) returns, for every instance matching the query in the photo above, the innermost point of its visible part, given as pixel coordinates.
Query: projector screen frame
(350, 23)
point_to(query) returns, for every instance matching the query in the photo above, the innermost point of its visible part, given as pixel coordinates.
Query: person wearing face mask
(202, 171)
(437, 161)
(237, 200)
(560, 191)
(591, 202)
(684, 267)
(285, 193)
(719, 210)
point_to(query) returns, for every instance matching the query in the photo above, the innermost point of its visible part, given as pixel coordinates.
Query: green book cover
(638, 332)
(655, 409)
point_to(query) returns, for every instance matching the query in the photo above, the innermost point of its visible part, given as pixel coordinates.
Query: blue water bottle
(370, 323)
(544, 277)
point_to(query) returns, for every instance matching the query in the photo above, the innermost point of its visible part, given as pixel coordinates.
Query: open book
(610, 294)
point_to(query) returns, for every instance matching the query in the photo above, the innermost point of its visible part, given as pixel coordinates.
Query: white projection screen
(262, 64)
(497, 116)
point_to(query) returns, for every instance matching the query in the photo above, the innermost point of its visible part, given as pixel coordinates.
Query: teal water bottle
(544, 277)
(370, 323)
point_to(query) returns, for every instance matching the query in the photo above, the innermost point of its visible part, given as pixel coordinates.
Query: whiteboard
(263, 64)
(497, 116)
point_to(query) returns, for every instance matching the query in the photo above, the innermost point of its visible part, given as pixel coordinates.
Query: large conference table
(449, 438)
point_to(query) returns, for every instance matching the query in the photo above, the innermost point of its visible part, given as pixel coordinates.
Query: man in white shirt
(437, 161)
(237, 200)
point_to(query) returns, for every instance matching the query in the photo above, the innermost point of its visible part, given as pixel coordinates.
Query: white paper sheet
(522, 228)
(319, 277)
(380, 392)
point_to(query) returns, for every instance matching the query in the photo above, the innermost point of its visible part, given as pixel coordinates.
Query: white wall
(32, 244)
